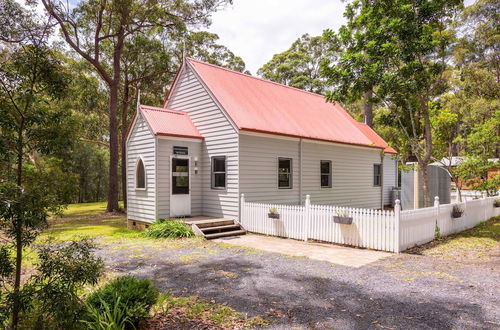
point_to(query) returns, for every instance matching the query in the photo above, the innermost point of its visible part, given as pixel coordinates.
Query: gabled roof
(259, 105)
(168, 122)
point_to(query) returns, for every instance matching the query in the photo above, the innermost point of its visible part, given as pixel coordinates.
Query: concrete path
(335, 254)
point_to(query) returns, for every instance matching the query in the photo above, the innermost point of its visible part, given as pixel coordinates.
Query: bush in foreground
(125, 299)
(168, 229)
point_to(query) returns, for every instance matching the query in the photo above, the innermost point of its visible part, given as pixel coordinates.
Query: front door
(180, 197)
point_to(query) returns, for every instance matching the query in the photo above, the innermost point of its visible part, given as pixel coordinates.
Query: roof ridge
(257, 78)
(176, 112)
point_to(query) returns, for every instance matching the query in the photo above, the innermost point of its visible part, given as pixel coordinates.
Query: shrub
(106, 316)
(52, 292)
(168, 229)
(134, 297)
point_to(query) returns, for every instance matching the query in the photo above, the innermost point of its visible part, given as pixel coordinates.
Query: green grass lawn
(89, 220)
(475, 242)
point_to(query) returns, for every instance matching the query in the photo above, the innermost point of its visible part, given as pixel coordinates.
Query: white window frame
(140, 159)
(290, 174)
(329, 173)
(213, 173)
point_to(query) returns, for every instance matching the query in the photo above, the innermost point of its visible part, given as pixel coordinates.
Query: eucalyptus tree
(98, 30)
(299, 66)
(398, 49)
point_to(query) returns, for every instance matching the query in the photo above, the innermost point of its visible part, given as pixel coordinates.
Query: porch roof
(167, 122)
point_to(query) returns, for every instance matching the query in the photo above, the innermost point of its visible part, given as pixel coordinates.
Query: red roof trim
(309, 138)
(180, 135)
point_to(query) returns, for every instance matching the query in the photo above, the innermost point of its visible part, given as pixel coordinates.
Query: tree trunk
(368, 108)
(425, 160)
(125, 103)
(425, 184)
(113, 149)
(19, 247)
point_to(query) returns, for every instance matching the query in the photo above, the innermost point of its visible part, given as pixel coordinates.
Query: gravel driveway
(400, 292)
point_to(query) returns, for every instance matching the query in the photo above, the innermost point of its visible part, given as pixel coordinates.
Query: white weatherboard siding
(259, 169)
(165, 152)
(352, 175)
(390, 176)
(352, 172)
(221, 139)
(141, 204)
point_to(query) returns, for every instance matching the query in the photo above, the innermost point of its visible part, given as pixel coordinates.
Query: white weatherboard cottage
(223, 133)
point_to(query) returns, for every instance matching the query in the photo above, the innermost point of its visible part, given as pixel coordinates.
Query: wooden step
(212, 223)
(220, 228)
(225, 234)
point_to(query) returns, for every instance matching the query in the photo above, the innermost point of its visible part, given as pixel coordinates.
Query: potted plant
(273, 213)
(496, 202)
(457, 211)
(342, 217)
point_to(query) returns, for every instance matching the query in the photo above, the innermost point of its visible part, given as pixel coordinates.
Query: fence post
(242, 204)
(397, 215)
(307, 217)
(436, 212)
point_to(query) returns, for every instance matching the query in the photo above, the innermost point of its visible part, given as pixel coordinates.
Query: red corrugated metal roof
(377, 140)
(168, 122)
(260, 105)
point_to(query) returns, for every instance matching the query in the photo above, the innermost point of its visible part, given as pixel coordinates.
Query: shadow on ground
(298, 292)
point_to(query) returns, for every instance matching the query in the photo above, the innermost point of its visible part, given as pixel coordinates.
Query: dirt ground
(405, 291)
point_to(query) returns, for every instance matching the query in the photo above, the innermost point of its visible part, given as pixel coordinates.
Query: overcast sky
(258, 29)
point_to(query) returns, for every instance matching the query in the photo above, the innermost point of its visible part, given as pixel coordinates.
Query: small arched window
(140, 175)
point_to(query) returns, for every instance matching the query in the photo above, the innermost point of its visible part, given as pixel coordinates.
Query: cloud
(258, 29)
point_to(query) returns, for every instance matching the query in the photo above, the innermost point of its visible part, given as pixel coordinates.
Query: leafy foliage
(133, 296)
(106, 316)
(299, 66)
(168, 229)
(50, 297)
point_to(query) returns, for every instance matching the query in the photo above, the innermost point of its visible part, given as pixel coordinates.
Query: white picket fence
(392, 231)
(419, 226)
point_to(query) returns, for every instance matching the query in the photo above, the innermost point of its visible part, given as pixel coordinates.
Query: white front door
(180, 192)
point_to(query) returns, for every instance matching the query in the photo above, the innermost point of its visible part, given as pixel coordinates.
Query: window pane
(284, 165)
(219, 164)
(325, 180)
(220, 180)
(284, 180)
(180, 165)
(325, 167)
(140, 175)
(377, 174)
(180, 176)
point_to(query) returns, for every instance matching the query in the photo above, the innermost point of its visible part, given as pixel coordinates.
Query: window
(219, 172)
(180, 176)
(284, 173)
(140, 175)
(377, 175)
(326, 174)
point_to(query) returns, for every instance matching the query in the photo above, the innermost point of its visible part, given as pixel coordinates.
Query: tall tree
(32, 79)
(95, 28)
(299, 66)
(399, 49)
